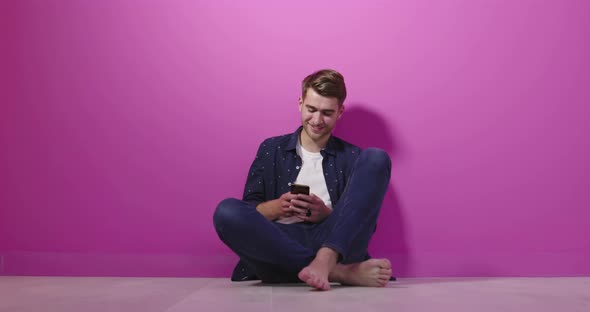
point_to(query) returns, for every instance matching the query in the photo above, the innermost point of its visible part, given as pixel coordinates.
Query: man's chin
(317, 136)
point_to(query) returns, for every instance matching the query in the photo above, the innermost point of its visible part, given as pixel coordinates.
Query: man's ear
(341, 111)
(300, 104)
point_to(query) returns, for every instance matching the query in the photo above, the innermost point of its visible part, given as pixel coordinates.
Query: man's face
(319, 115)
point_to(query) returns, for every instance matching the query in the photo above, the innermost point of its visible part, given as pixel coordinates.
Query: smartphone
(299, 189)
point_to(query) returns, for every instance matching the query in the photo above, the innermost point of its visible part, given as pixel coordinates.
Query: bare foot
(372, 272)
(317, 272)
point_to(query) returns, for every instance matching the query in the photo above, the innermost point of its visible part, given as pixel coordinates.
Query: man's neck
(312, 146)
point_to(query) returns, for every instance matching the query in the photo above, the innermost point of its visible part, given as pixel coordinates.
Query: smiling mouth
(317, 129)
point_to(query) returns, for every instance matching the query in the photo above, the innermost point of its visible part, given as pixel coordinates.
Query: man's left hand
(317, 210)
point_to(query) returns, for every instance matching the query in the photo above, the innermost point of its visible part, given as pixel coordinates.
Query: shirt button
(289, 184)
(297, 167)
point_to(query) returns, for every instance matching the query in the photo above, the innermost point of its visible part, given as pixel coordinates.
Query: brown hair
(326, 82)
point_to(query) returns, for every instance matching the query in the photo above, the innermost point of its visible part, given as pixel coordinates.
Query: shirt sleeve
(254, 189)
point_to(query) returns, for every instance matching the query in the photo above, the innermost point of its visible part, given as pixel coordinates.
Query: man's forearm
(269, 209)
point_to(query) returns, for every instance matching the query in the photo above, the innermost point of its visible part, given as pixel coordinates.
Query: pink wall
(124, 123)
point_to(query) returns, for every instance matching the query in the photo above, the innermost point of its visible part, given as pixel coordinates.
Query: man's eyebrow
(322, 110)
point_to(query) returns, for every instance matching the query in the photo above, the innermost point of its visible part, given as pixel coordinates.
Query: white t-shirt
(311, 173)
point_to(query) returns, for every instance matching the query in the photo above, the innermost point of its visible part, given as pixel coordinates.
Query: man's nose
(315, 118)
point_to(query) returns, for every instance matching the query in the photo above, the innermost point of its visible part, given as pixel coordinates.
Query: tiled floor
(212, 294)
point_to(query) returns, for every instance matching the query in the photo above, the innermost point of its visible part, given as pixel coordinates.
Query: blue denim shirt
(277, 165)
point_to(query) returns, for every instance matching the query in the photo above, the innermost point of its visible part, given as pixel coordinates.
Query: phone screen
(299, 189)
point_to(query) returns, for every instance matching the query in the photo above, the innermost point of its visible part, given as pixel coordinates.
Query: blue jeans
(277, 252)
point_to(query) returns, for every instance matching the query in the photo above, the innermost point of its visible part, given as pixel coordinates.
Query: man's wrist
(269, 210)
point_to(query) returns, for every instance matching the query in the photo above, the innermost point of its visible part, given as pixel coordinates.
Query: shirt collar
(294, 138)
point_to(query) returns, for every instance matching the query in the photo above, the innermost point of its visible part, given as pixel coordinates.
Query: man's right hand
(280, 207)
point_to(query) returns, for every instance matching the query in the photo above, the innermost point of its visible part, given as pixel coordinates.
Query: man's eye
(311, 110)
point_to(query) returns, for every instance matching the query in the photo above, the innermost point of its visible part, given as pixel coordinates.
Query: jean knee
(378, 157)
(227, 212)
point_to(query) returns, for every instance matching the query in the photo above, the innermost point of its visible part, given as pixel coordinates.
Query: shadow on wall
(365, 128)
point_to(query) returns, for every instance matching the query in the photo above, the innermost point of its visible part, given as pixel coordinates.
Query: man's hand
(287, 209)
(310, 208)
(280, 207)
